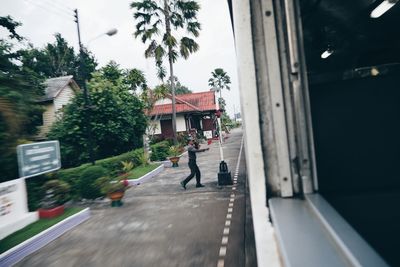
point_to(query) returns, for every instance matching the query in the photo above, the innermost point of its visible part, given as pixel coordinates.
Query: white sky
(42, 18)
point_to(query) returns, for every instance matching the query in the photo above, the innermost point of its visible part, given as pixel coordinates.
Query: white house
(58, 93)
(193, 111)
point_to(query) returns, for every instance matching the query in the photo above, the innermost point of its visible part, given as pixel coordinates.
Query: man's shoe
(183, 185)
(199, 185)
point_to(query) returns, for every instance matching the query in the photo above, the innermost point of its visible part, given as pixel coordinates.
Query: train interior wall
(357, 141)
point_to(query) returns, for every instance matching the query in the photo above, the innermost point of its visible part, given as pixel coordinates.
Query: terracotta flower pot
(116, 198)
(51, 213)
(174, 161)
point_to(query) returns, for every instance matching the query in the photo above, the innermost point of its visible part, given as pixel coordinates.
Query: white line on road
(226, 231)
(222, 251)
(224, 242)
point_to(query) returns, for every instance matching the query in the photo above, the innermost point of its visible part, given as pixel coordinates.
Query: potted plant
(174, 152)
(56, 194)
(113, 188)
(127, 166)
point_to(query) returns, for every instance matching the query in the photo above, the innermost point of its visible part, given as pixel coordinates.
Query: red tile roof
(194, 102)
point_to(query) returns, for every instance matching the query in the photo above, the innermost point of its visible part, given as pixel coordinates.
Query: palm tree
(158, 23)
(219, 80)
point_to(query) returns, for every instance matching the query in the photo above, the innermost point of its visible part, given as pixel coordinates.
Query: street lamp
(110, 32)
(224, 176)
(85, 91)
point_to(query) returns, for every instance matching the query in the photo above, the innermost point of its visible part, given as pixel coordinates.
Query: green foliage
(226, 122)
(160, 151)
(219, 79)
(112, 165)
(108, 184)
(175, 151)
(20, 88)
(158, 24)
(117, 122)
(59, 59)
(88, 177)
(35, 191)
(129, 79)
(127, 166)
(144, 159)
(57, 192)
(72, 177)
(11, 25)
(134, 79)
(111, 72)
(142, 170)
(180, 89)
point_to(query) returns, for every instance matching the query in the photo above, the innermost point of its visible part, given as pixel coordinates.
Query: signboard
(14, 213)
(208, 134)
(38, 158)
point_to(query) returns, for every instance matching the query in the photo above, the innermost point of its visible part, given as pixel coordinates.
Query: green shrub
(87, 186)
(35, 191)
(72, 177)
(112, 165)
(56, 193)
(159, 151)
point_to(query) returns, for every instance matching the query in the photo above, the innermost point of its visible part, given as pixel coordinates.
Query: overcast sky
(42, 18)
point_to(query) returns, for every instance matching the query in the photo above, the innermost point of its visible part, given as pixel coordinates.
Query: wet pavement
(161, 224)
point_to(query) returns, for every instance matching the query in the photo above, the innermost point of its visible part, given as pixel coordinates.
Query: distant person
(192, 149)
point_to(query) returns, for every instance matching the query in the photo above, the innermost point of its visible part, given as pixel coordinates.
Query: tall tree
(135, 79)
(159, 23)
(180, 89)
(19, 113)
(111, 72)
(59, 59)
(117, 121)
(219, 80)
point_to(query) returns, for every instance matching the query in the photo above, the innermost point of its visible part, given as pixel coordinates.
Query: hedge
(159, 151)
(112, 166)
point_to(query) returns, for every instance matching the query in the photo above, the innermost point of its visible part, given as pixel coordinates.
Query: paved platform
(161, 224)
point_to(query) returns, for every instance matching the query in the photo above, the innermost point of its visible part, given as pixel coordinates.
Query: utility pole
(224, 175)
(88, 127)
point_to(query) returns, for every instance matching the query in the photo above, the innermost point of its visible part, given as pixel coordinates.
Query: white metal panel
(155, 127)
(180, 123)
(163, 101)
(267, 254)
(276, 102)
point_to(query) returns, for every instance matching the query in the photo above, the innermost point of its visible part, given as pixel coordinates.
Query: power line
(52, 11)
(64, 5)
(59, 8)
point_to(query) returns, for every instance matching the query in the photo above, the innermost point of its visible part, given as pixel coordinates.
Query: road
(161, 224)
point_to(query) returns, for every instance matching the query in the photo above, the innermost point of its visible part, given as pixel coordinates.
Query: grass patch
(142, 170)
(33, 229)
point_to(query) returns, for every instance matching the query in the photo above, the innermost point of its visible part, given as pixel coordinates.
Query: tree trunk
(171, 71)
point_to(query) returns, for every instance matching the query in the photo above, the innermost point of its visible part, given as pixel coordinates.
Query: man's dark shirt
(192, 152)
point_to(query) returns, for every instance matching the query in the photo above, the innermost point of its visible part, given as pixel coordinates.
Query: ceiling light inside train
(327, 53)
(382, 8)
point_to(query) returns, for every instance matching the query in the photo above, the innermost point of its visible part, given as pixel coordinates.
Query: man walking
(194, 169)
